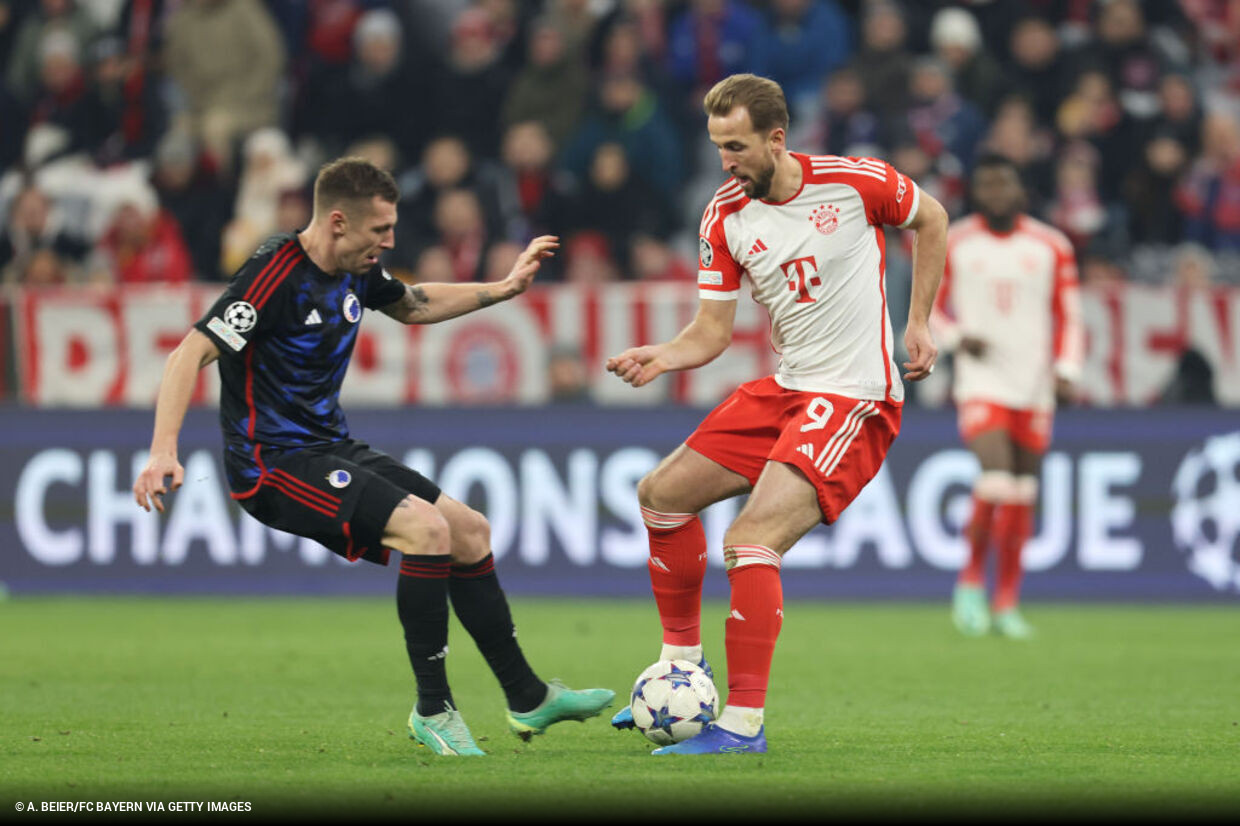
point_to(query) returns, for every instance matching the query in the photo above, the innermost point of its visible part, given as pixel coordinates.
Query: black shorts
(341, 496)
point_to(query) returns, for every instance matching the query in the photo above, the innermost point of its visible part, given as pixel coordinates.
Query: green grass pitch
(298, 706)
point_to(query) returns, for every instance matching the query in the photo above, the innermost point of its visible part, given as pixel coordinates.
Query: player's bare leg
(993, 487)
(1013, 527)
(782, 508)
(482, 607)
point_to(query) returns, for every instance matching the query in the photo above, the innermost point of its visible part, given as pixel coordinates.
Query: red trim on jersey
(276, 281)
(276, 261)
(881, 238)
(249, 391)
(262, 475)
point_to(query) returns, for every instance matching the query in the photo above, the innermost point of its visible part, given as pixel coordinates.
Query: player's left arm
(428, 303)
(929, 226)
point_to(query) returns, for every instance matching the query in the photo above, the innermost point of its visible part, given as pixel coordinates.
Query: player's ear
(338, 221)
(777, 138)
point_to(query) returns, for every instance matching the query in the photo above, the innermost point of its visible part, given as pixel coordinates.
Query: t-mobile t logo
(803, 278)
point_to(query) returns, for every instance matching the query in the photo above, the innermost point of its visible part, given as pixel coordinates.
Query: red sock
(978, 532)
(677, 566)
(1013, 527)
(754, 622)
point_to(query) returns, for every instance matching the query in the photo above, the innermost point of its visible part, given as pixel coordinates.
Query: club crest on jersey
(241, 316)
(705, 252)
(352, 308)
(826, 219)
(339, 478)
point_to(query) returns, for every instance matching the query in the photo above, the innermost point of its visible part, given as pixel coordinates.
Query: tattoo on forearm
(415, 300)
(485, 299)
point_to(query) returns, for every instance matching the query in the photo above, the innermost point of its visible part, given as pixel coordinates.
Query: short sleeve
(891, 197)
(719, 276)
(382, 288)
(252, 302)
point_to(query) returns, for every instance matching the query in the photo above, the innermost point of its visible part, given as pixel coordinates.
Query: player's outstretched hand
(152, 481)
(1065, 391)
(637, 365)
(921, 351)
(528, 262)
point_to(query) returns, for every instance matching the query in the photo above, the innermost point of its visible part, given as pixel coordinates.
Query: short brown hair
(349, 181)
(760, 96)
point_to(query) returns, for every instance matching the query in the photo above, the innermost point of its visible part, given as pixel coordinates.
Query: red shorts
(837, 442)
(1031, 429)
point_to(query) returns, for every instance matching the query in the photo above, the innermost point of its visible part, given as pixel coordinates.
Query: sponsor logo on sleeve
(226, 333)
(901, 188)
(711, 277)
(705, 252)
(241, 316)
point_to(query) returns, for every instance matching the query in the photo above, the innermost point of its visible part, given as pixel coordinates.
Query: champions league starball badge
(705, 253)
(352, 308)
(241, 316)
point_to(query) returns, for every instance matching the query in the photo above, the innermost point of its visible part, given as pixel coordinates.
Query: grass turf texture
(299, 706)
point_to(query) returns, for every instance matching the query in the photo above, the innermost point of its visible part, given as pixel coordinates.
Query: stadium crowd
(162, 140)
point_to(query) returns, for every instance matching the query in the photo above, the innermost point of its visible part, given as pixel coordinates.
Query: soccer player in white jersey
(1009, 307)
(808, 232)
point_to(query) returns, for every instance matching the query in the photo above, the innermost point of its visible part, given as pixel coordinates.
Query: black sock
(422, 603)
(482, 608)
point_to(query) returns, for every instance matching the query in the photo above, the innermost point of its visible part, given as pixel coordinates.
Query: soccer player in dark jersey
(283, 333)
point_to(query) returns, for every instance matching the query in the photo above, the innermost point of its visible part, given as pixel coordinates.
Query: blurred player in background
(1009, 307)
(283, 333)
(808, 231)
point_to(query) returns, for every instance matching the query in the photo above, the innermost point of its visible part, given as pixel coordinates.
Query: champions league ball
(672, 700)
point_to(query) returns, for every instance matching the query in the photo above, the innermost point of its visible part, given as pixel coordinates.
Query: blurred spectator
(628, 113)
(576, 21)
(1037, 70)
(941, 176)
(1127, 53)
(566, 375)
(1179, 112)
(1015, 134)
(12, 137)
(650, 259)
(534, 196)
(25, 63)
(469, 90)
(849, 125)
(804, 41)
(957, 41)
(587, 259)
(500, 259)
(373, 95)
(1193, 382)
(433, 265)
(462, 233)
(553, 86)
(942, 121)
(293, 210)
(141, 244)
(60, 99)
(1077, 208)
(35, 225)
(124, 110)
(507, 21)
(270, 169)
(447, 165)
(378, 149)
(43, 269)
(191, 191)
(618, 205)
(1210, 195)
(227, 58)
(1099, 267)
(883, 62)
(710, 40)
(1192, 266)
(1091, 114)
(1149, 191)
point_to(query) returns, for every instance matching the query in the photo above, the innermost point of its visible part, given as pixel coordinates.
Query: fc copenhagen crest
(339, 478)
(826, 219)
(241, 316)
(352, 308)
(705, 252)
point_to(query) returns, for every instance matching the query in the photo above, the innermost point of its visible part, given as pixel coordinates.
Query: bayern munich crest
(705, 253)
(352, 308)
(241, 316)
(339, 478)
(826, 219)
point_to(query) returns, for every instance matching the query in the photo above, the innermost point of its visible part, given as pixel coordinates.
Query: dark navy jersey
(285, 331)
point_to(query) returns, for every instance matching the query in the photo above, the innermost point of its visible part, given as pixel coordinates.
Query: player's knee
(1025, 489)
(650, 489)
(417, 527)
(471, 537)
(995, 486)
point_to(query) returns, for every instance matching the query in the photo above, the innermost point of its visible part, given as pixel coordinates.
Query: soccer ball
(672, 700)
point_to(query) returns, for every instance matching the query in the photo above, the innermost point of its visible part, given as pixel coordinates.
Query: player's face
(997, 192)
(747, 155)
(367, 232)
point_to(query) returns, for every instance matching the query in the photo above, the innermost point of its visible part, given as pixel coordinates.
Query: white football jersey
(817, 262)
(1017, 292)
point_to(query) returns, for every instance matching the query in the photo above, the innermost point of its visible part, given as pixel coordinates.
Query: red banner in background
(92, 347)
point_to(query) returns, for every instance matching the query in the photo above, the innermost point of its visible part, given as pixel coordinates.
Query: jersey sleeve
(1069, 330)
(382, 289)
(252, 301)
(890, 197)
(719, 276)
